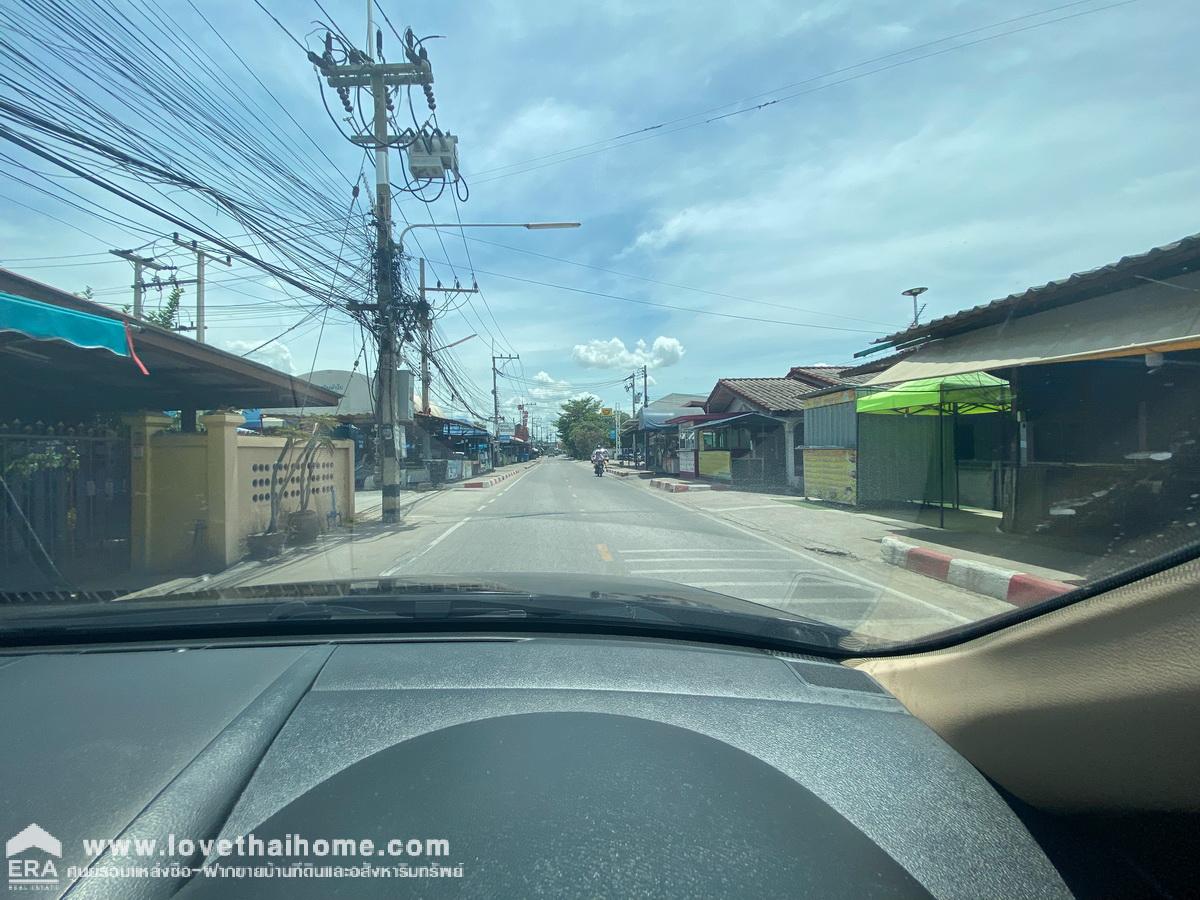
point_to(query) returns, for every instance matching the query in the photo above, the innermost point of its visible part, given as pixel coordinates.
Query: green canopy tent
(972, 393)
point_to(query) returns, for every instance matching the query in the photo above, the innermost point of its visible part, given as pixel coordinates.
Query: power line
(281, 26)
(345, 231)
(661, 129)
(682, 287)
(689, 309)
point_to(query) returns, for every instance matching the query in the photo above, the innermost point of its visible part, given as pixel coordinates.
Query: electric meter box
(431, 157)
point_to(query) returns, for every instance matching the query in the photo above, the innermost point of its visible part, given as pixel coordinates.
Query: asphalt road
(556, 516)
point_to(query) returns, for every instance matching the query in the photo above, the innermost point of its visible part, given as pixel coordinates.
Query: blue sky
(977, 172)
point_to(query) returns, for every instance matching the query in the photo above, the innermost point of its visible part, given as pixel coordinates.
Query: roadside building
(750, 432)
(97, 479)
(1104, 372)
(658, 442)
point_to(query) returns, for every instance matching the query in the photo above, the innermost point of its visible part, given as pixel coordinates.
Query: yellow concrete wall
(715, 464)
(333, 483)
(200, 494)
(831, 474)
(178, 499)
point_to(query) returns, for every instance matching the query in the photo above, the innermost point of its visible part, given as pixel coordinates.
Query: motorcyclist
(599, 458)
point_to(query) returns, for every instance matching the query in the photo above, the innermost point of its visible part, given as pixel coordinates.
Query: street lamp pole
(915, 293)
(388, 415)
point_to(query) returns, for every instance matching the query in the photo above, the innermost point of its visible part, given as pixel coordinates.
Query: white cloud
(688, 223)
(613, 354)
(275, 355)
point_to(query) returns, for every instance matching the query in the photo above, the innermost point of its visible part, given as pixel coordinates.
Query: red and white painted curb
(679, 487)
(496, 479)
(1017, 588)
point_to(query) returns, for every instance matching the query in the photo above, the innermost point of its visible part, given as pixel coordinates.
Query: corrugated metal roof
(864, 371)
(1181, 255)
(826, 375)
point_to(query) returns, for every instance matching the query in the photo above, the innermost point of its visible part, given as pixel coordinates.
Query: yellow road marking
(602, 549)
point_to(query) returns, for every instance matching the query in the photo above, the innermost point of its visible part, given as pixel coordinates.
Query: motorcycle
(599, 467)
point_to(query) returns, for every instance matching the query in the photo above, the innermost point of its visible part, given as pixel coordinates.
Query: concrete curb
(1009, 585)
(494, 480)
(678, 487)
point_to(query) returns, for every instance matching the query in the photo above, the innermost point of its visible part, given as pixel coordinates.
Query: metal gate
(64, 501)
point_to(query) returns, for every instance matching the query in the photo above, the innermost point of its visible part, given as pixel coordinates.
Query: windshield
(856, 327)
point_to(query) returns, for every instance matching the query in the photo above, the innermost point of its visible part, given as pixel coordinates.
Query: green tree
(583, 427)
(587, 436)
(165, 315)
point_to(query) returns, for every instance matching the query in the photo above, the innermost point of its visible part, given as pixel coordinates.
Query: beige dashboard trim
(1095, 706)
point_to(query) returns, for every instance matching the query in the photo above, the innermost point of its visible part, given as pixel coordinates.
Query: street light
(531, 226)
(915, 293)
(454, 344)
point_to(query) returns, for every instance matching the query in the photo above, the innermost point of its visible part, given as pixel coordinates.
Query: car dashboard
(552, 765)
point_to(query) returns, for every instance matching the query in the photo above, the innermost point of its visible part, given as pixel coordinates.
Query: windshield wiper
(440, 608)
(660, 613)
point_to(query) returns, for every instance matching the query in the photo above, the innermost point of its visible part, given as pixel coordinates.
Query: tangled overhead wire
(142, 109)
(432, 154)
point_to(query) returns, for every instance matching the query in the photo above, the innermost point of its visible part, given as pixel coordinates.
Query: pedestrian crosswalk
(768, 577)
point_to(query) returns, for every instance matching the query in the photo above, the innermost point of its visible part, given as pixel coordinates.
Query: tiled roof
(771, 394)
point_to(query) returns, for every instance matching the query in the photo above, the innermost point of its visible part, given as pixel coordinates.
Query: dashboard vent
(840, 678)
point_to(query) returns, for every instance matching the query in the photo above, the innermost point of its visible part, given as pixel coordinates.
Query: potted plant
(303, 525)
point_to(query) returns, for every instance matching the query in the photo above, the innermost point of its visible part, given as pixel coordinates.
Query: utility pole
(426, 341)
(496, 396)
(425, 315)
(139, 263)
(631, 386)
(358, 72)
(201, 256)
(645, 433)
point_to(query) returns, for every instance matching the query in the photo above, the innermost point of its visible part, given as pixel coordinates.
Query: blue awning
(46, 322)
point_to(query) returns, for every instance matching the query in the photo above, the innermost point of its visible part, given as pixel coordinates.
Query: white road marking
(437, 540)
(882, 588)
(757, 506)
(689, 550)
(706, 584)
(726, 569)
(762, 560)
